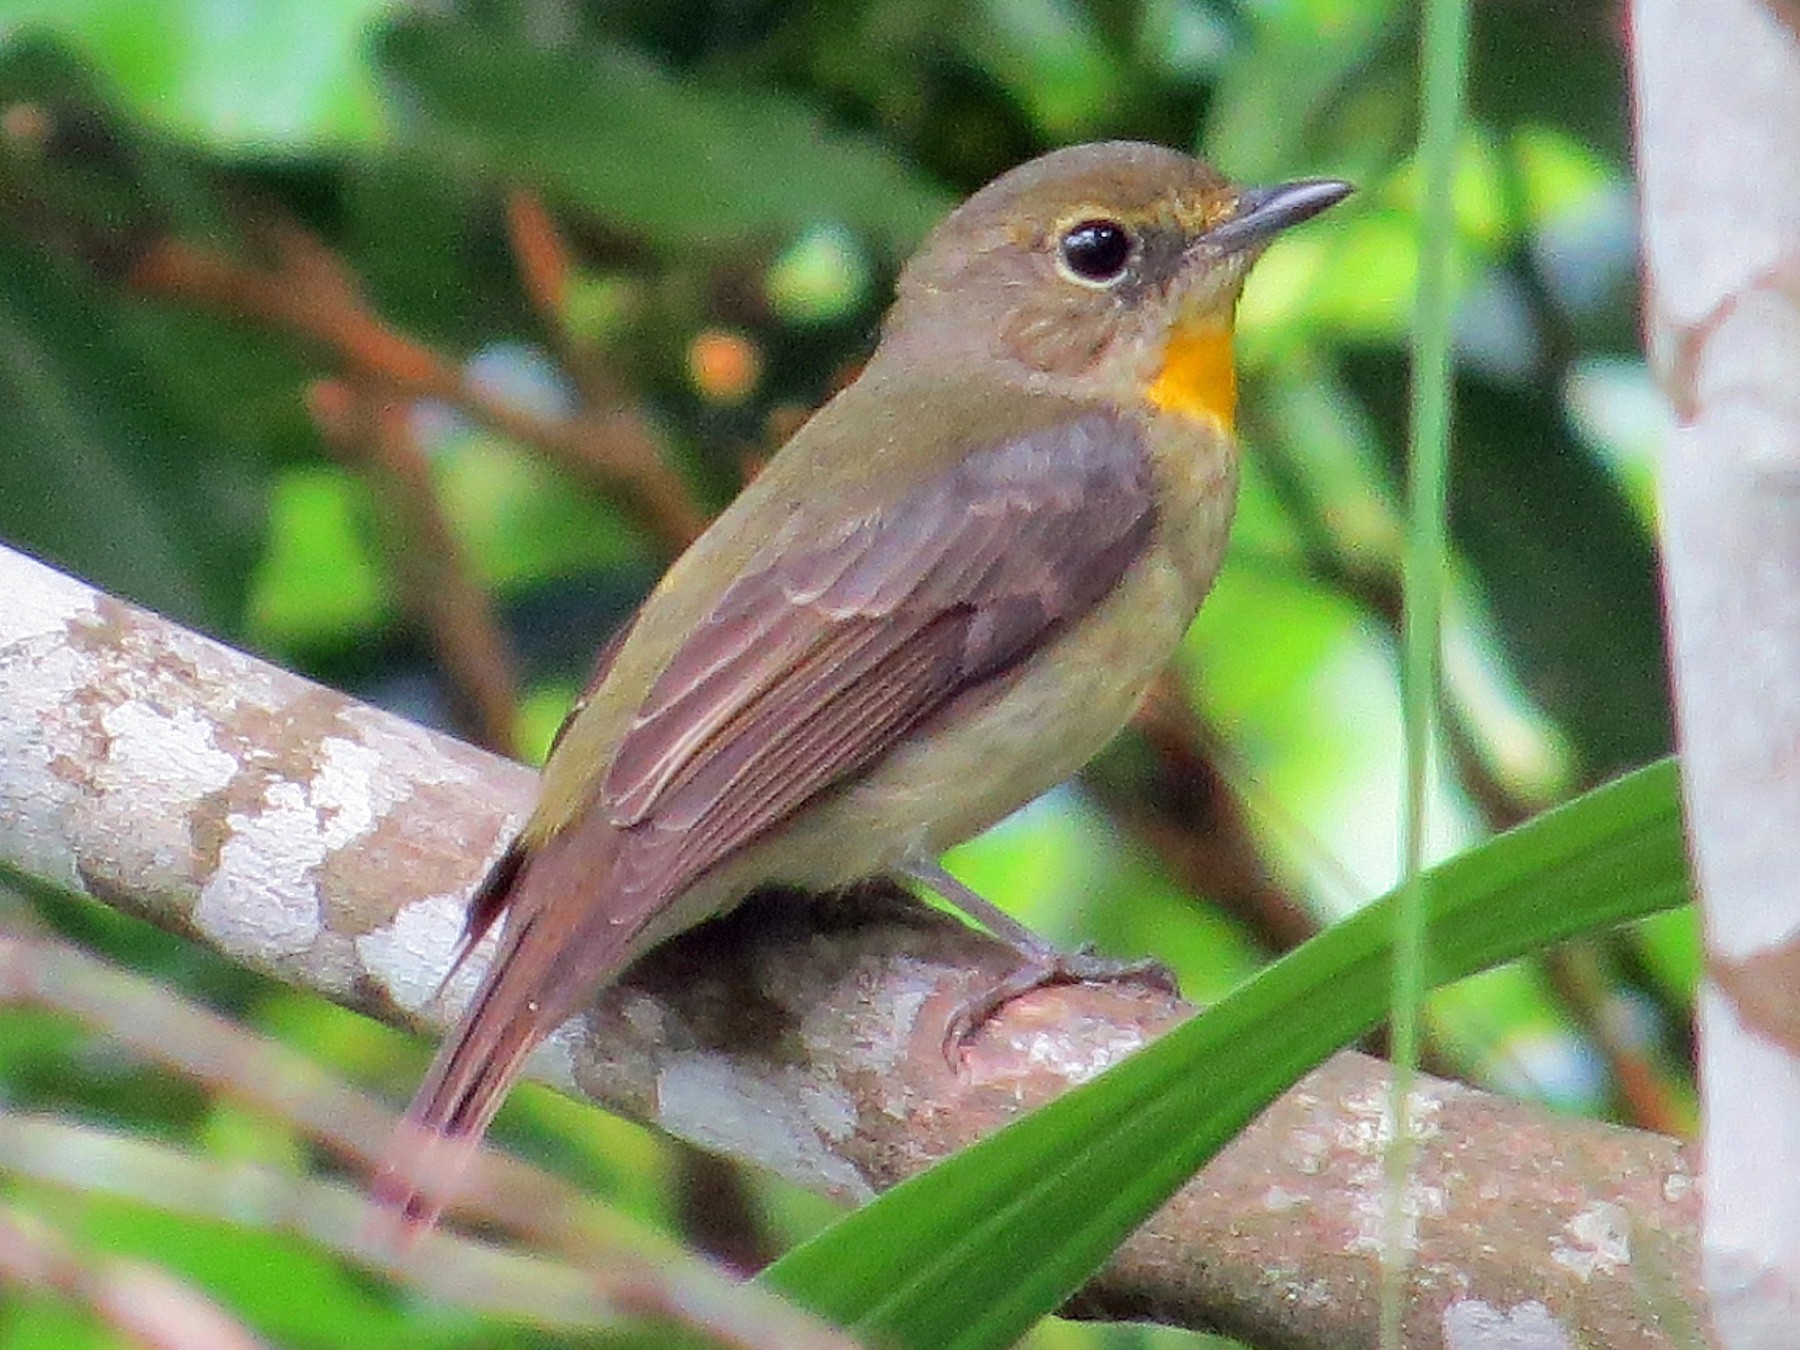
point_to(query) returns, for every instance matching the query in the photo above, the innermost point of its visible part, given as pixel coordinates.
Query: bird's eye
(1096, 251)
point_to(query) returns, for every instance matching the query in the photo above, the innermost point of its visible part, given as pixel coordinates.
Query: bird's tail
(558, 946)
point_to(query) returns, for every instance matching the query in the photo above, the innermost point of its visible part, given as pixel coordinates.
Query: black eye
(1097, 250)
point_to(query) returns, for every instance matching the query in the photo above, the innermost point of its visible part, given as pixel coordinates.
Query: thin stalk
(1443, 67)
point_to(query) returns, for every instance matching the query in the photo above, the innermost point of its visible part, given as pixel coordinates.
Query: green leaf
(728, 162)
(1313, 84)
(278, 75)
(100, 474)
(1521, 76)
(1053, 58)
(1568, 568)
(90, 181)
(138, 436)
(319, 581)
(972, 1252)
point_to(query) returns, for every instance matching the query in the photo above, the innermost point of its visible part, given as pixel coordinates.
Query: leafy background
(733, 185)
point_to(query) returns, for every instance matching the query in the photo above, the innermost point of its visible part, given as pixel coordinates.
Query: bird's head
(1110, 270)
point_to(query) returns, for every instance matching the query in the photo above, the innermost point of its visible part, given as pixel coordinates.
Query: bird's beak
(1262, 213)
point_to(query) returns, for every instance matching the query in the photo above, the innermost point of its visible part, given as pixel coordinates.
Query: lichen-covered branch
(330, 844)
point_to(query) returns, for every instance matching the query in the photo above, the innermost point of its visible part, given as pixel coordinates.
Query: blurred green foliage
(760, 170)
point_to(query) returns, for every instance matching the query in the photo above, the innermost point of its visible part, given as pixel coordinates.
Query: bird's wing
(828, 650)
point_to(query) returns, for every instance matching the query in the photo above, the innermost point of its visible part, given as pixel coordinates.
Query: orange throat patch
(1198, 377)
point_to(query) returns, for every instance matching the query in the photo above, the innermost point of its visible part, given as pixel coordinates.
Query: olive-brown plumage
(944, 595)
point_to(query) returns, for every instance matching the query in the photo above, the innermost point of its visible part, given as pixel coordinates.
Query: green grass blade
(973, 1252)
(1443, 73)
(1443, 66)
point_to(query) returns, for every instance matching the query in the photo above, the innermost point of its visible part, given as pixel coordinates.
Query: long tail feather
(558, 947)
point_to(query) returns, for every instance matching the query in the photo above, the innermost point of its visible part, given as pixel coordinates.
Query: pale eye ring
(1096, 252)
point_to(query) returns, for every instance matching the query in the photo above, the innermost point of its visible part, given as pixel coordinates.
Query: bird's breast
(1194, 461)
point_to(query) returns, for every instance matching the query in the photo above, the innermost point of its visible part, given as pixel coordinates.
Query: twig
(456, 1270)
(543, 258)
(1644, 1092)
(146, 1306)
(161, 1026)
(370, 430)
(1189, 815)
(616, 451)
(158, 1024)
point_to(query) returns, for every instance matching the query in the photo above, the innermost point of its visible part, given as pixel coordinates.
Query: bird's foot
(1041, 969)
(1041, 963)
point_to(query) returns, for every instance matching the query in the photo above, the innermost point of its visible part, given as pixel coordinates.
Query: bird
(938, 600)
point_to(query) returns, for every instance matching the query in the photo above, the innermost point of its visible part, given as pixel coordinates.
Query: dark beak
(1263, 213)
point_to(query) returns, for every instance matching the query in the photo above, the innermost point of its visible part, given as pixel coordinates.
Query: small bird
(942, 597)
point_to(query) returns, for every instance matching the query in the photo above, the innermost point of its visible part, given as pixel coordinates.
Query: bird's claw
(1081, 966)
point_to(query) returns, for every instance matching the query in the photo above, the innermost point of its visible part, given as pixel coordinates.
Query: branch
(309, 294)
(370, 432)
(456, 1270)
(159, 1025)
(1716, 113)
(143, 1306)
(330, 844)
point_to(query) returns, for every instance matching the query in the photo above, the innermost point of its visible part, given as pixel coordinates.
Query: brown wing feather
(494, 894)
(603, 664)
(820, 658)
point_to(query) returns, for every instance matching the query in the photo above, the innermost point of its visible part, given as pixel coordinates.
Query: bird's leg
(1043, 963)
